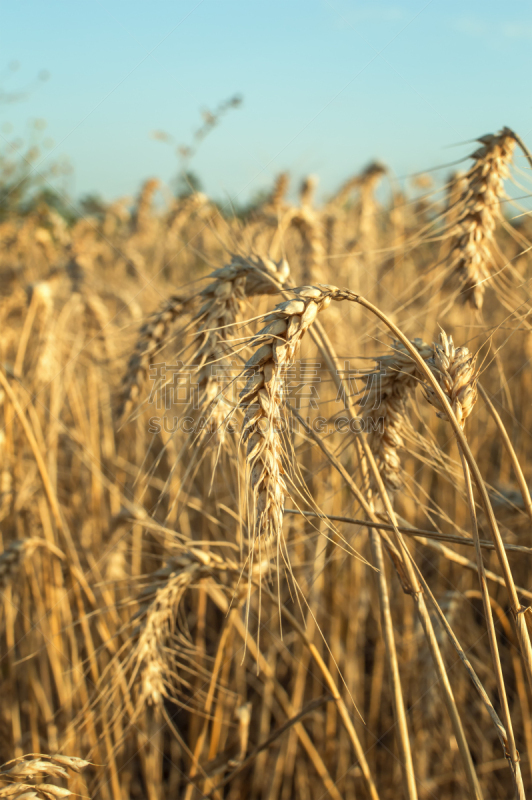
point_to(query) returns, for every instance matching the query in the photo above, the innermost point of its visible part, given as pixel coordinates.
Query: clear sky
(327, 85)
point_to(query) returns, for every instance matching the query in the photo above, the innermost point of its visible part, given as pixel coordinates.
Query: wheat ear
(367, 229)
(384, 400)
(472, 235)
(223, 301)
(144, 218)
(153, 335)
(262, 400)
(307, 191)
(310, 226)
(280, 187)
(455, 370)
(20, 775)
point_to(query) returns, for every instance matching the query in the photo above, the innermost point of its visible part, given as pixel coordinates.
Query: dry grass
(239, 505)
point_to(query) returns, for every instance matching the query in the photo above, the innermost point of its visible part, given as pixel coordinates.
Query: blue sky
(327, 85)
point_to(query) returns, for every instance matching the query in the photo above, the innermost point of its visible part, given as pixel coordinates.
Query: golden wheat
(135, 629)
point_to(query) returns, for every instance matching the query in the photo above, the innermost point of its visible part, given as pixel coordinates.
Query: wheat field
(264, 497)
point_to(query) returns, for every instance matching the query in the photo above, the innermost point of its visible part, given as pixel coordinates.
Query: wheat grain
(455, 370)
